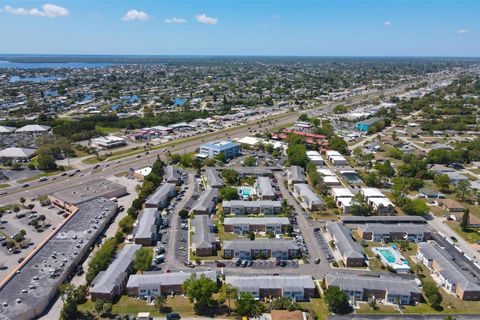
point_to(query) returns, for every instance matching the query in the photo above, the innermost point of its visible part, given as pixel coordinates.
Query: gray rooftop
(172, 174)
(252, 204)
(264, 187)
(203, 236)
(447, 268)
(307, 193)
(253, 171)
(359, 283)
(295, 173)
(408, 228)
(63, 252)
(344, 240)
(256, 221)
(384, 219)
(255, 283)
(370, 121)
(157, 279)
(213, 178)
(161, 194)
(17, 152)
(260, 244)
(146, 226)
(206, 201)
(116, 272)
(87, 191)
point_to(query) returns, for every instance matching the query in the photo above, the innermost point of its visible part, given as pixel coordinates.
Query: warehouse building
(70, 197)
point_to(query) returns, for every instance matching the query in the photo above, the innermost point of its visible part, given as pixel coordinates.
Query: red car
(220, 264)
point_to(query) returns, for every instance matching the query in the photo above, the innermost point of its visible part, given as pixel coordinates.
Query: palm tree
(160, 302)
(229, 292)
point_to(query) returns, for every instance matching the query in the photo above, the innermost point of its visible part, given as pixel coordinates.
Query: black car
(238, 263)
(173, 316)
(283, 264)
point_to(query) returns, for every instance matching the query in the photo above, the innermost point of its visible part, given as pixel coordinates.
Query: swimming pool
(246, 192)
(387, 254)
(351, 176)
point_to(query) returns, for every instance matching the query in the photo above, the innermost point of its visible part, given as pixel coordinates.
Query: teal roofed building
(366, 124)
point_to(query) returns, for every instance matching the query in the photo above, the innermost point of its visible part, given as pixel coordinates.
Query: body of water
(20, 65)
(35, 79)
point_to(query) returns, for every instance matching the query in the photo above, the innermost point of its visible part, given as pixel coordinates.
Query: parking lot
(263, 264)
(324, 247)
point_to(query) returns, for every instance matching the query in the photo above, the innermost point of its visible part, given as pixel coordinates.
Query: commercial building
(298, 288)
(262, 248)
(151, 284)
(146, 230)
(70, 197)
(309, 198)
(352, 252)
(388, 289)
(261, 224)
(161, 196)
(108, 142)
(173, 175)
(213, 178)
(206, 202)
(364, 125)
(264, 188)
(140, 174)
(295, 174)
(13, 153)
(252, 207)
(26, 294)
(211, 149)
(446, 273)
(110, 283)
(393, 232)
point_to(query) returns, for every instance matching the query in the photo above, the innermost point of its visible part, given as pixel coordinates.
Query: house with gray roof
(295, 174)
(204, 240)
(161, 196)
(213, 178)
(352, 252)
(110, 283)
(450, 276)
(264, 189)
(33, 128)
(253, 171)
(385, 287)
(242, 225)
(252, 207)
(17, 153)
(269, 248)
(383, 219)
(207, 201)
(309, 198)
(378, 232)
(146, 230)
(297, 288)
(173, 175)
(151, 284)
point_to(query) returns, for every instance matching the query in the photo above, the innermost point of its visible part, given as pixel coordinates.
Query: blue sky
(242, 27)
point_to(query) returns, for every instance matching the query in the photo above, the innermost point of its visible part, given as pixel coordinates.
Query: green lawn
(471, 235)
(107, 130)
(364, 308)
(4, 185)
(316, 306)
(132, 307)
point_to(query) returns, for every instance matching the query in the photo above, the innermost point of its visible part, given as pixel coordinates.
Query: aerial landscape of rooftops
(269, 160)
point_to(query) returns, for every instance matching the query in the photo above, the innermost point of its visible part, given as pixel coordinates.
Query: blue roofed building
(364, 125)
(211, 149)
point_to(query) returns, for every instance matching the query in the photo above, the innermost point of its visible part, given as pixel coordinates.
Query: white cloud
(175, 20)
(48, 10)
(202, 18)
(387, 23)
(135, 15)
(462, 31)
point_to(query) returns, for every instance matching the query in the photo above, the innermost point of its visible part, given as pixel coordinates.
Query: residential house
(161, 196)
(261, 224)
(352, 252)
(309, 198)
(207, 201)
(261, 248)
(252, 207)
(204, 240)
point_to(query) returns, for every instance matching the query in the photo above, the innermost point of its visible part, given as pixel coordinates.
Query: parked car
(316, 261)
(220, 264)
(173, 316)
(238, 263)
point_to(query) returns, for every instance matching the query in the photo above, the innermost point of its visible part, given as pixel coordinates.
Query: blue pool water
(352, 177)
(387, 255)
(180, 102)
